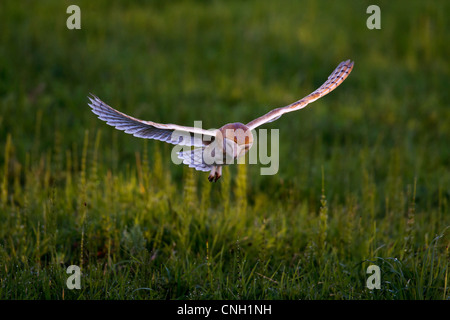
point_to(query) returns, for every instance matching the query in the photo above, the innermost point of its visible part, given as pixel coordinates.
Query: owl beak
(244, 148)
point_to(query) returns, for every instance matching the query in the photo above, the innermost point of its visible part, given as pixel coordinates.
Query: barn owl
(211, 149)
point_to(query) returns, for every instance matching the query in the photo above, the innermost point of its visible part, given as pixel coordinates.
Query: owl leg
(212, 174)
(218, 173)
(215, 174)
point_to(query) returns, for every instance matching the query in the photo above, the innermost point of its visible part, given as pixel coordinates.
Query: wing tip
(348, 63)
(93, 100)
(92, 95)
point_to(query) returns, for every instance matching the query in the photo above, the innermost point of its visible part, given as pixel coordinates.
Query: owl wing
(171, 133)
(194, 159)
(334, 80)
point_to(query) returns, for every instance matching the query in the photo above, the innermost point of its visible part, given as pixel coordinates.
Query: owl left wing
(334, 80)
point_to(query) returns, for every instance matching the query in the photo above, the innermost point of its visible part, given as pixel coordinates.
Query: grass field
(364, 176)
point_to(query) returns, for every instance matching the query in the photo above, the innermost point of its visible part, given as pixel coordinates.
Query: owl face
(237, 139)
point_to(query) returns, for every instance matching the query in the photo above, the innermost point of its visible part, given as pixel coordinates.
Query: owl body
(231, 142)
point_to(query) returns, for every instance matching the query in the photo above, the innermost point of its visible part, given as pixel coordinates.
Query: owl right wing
(171, 133)
(194, 159)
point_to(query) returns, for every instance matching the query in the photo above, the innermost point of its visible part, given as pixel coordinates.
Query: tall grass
(172, 243)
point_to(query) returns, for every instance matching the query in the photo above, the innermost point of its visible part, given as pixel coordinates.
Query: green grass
(365, 180)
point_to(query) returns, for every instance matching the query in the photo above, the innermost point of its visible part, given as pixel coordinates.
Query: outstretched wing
(171, 133)
(334, 80)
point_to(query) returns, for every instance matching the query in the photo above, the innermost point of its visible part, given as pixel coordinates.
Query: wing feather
(334, 80)
(170, 133)
(194, 159)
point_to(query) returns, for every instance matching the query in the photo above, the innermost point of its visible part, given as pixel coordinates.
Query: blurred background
(378, 144)
(220, 62)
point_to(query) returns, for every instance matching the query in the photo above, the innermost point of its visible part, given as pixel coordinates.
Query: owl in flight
(211, 149)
